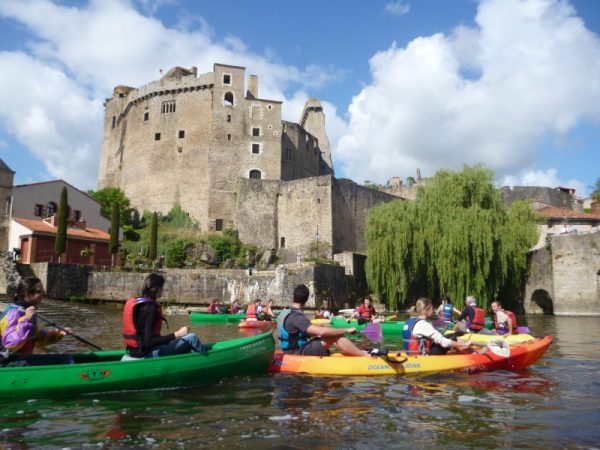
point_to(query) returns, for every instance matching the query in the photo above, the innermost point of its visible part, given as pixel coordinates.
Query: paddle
(79, 338)
(373, 332)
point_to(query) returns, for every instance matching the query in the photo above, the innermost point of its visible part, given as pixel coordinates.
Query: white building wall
(26, 196)
(16, 231)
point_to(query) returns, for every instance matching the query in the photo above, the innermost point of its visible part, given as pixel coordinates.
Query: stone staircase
(25, 270)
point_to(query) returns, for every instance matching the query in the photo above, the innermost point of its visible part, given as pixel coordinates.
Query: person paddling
(298, 336)
(22, 333)
(365, 312)
(505, 321)
(421, 338)
(254, 310)
(472, 319)
(446, 310)
(142, 322)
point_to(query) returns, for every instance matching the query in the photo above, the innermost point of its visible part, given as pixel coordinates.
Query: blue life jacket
(412, 344)
(447, 310)
(287, 340)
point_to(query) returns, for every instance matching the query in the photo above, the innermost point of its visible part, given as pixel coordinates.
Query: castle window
(226, 78)
(181, 134)
(282, 242)
(121, 94)
(256, 174)
(255, 149)
(50, 209)
(167, 107)
(229, 137)
(255, 112)
(270, 106)
(219, 225)
(114, 121)
(228, 117)
(255, 131)
(38, 210)
(228, 99)
(157, 136)
(146, 115)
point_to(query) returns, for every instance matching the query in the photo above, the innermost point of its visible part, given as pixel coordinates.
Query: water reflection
(554, 404)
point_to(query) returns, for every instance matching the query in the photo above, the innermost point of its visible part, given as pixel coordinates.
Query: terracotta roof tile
(39, 226)
(558, 213)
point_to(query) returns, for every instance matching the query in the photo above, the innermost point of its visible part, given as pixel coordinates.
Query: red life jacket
(130, 334)
(251, 311)
(213, 308)
(364, 312)
(511, 317)
(478, 322)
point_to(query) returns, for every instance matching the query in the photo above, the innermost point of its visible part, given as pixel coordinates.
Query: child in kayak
(298, 336)
(21, 331)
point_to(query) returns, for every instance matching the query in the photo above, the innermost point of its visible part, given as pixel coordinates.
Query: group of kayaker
(254, 311)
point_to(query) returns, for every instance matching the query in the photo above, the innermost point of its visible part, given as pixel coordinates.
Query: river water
(554, 404)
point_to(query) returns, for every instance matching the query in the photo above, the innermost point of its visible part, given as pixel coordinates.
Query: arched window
(51, 209)
(255, 174)
(228, 99)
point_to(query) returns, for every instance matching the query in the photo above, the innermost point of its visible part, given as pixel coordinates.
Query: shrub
(176, 253)
(226, 246)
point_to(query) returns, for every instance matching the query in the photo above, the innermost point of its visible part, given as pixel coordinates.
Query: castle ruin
(227, 158)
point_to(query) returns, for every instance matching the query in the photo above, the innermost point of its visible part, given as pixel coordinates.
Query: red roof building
(84, 245)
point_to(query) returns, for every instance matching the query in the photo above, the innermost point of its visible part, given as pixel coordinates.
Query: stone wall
(564, 278)
(543, 195)
(352, 204)
(9, 278)
(576, 264)
(198, 286)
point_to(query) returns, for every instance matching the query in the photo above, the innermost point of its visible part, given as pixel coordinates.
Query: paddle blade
(499, 347)
(523, 330)
(373, 332)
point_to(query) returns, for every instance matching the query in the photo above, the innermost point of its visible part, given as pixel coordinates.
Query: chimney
(252, 86)
(418, 175)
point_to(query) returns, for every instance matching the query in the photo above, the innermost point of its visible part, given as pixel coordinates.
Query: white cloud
(77, 56)
(397, 8)
(489, 94)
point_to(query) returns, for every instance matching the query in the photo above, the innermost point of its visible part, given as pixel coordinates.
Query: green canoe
(389, 327)
(199, 318)
(104, 371)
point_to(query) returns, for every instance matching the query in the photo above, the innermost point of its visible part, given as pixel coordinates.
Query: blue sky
(429, 84)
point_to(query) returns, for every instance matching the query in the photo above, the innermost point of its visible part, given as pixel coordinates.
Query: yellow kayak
(320, 321)
(517, 357)
(486, 338)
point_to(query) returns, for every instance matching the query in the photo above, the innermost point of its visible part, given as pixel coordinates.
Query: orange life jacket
(130, 334)
(511, 317)
(251, 311)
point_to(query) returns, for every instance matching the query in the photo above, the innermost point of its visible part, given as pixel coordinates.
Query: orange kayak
(257, 324)
(521, 355)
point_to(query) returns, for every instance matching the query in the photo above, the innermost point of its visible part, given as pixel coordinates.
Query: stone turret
(313, 121)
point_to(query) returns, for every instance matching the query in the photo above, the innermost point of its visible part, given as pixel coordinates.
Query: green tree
(176, 253)
(596, 191)
(152, 245)
(113, 245)
(107, 196)
(455, 239)
(60, 244)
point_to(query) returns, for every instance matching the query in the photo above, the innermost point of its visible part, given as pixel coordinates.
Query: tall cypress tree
(113, 245)
(456, 239)
(153, 237)
(60, 244)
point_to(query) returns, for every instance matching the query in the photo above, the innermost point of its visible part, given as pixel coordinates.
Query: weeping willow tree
(456, 239)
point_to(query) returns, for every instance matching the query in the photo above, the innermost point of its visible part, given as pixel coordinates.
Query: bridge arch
(542, 298)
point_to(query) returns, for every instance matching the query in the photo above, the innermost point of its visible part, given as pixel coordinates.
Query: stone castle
(226, 156)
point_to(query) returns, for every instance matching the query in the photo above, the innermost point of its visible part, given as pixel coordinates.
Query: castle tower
(313, 121)
(6, 185)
